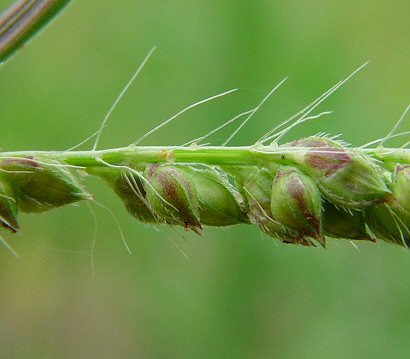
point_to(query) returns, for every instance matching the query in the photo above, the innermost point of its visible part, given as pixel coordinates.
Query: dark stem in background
(22, 20)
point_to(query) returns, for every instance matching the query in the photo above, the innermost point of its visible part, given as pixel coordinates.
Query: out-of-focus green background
(240, 295)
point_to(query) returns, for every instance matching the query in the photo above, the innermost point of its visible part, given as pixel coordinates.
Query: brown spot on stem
(167, 155)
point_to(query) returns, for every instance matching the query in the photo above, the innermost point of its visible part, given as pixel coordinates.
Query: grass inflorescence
(300, 192)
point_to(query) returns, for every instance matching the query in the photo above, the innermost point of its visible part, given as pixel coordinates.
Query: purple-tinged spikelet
(346, 177)
(172, 197)
(39, 186)
(296, 203)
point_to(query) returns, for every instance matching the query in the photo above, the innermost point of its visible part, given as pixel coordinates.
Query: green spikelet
(41, 187)
(172, 196)
(339, 223)
(8, 207)
(129, 187)
(346, 177)
(220, 204)
(296, 203)
(391, 222)
(257, 188)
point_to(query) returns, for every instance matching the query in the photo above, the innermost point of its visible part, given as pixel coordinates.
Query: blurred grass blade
(22, 20)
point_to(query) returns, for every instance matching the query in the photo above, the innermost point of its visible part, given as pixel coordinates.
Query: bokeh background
(240, 294)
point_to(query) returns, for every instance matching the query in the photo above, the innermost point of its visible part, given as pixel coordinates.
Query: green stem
(390, 156)
(248, 155)
(22, 20)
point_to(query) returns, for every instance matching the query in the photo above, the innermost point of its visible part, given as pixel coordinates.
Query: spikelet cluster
(319, 189)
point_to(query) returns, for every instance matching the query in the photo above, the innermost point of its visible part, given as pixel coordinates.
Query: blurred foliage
(240, 295)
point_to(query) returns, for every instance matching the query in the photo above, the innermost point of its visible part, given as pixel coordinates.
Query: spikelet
(391, 221)
(172, 196)
(39, 186)
(340, 223)
(257, 187)
(220, 204)
(345, 176)
(296, 203)
(130, 189)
